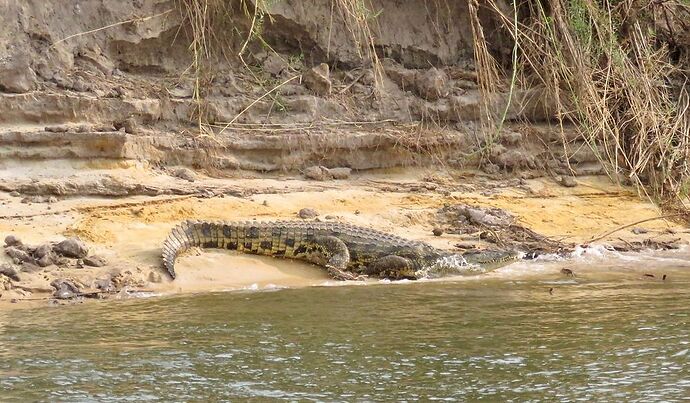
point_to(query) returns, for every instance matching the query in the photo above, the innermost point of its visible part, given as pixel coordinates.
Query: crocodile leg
(392, 267)
(337, 257)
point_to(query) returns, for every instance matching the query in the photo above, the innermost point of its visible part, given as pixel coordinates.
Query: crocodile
(348, 252)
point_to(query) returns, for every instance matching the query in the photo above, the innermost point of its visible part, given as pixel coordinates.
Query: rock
(274, 64)
(340, 173)
(405, 78)
(52, 199)
(129, 125)
(105, 284)
(155, 277)
(568, 181)
(15, 194)
(185, 173)
(318, 79)
(330, 217)
(79, 85)
(9, 271)
(65, 289)
(465, 245)
(72, 247)
(432, 84)
(57, 129)
(437, 231)
(95, 261)
(16, 75)
(11, 240)
(636, 231)
(45, 261)
(61, 261)
(318, 173)
(18, 255)
(307, 213)
(43, 250)
(95, 57)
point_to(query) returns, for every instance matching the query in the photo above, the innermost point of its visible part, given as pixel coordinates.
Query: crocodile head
(449, 264)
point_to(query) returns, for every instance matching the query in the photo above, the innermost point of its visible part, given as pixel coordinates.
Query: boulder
(72, 247)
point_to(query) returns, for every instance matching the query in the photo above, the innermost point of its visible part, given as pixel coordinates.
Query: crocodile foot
(342, 275)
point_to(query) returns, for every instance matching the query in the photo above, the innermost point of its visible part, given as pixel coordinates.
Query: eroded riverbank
(542, 217)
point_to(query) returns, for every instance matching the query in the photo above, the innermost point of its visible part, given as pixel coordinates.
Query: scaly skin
(347, 251)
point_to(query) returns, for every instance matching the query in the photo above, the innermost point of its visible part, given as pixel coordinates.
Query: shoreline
(129, 231)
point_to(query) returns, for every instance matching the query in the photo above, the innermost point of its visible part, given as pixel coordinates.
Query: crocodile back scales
(288, 239)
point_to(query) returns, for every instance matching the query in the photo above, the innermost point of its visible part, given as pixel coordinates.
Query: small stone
(57, 129)
(330, 217)
(129, 125)
(465, 245)
(105, 285)
(568, 181)
(155, 277)
(308, 213)
(79, 85)
(45, 261)
(318, 173)
(437, 231)
(52, 199)
(340, 173)
(72, 247)
(61, 261)
(64, 289)
(17, 254)
(10, 272)
(639, 231)
(432, 84)
(185, 173)
(15, 194)
(11, 240)
(318, 79)
(95, 261)
(274, 64)
(43, 250)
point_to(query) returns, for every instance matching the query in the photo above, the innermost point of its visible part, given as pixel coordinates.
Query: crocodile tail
(179, 240)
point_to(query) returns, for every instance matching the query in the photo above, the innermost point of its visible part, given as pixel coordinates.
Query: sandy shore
(128, 231)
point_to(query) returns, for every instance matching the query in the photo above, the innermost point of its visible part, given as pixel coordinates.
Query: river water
(608, 334)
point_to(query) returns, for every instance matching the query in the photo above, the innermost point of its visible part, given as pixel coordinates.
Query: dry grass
(608, 69)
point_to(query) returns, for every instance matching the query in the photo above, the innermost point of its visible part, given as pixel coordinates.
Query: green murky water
(499, 339)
